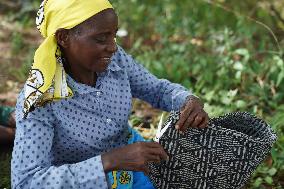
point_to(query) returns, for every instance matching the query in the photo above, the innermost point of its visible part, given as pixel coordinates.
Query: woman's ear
(62, 37)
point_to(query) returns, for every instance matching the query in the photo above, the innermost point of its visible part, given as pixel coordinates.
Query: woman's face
(89, 46)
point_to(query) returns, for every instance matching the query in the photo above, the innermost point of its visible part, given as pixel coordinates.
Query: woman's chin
(100, 68)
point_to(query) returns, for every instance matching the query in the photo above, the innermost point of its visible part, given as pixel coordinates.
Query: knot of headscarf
(47, 78)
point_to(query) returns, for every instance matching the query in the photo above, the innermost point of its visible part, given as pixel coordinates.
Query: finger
(204, 124)
(146, 170)
(153, 145)
(155, 149)
(144, 144)
(158, 153)
(183, 116)
(153, 158)
(199, 118)
(189, 121)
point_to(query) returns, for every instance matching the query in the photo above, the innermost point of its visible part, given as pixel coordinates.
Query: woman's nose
(111, 47)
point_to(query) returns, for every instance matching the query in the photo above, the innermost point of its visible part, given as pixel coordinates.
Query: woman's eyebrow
(104, 32)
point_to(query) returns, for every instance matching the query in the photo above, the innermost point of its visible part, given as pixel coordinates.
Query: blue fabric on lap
(140, 180)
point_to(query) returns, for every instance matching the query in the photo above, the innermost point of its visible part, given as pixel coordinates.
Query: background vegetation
(230, 53)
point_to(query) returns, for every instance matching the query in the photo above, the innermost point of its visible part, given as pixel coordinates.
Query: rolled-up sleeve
(160, 93)
(32, 157)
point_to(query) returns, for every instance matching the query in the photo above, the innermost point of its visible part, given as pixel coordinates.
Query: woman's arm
(160, 93)
(31, 159)
(163, 94)
(7, 135)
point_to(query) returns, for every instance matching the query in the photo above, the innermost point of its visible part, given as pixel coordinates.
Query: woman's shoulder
(36, 112)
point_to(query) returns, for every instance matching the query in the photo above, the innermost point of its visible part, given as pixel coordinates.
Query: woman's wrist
(108, 163)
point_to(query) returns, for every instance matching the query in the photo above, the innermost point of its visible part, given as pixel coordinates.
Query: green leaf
(244, 53)
(279, 62)
(257, 182)
(241, 104)
(268, 180)
(274, 154)
(209, 95)
(238, 66)
(272, 171)
(280, 78)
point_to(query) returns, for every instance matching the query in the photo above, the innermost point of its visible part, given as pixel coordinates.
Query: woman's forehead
(104, 20)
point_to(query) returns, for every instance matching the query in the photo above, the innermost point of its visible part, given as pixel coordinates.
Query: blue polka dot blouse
(59, 145)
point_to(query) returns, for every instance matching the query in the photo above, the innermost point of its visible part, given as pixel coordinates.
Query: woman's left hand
(192, 115)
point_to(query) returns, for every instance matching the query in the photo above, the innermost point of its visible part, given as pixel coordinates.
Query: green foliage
(17, 42)
(5, 170)
(21, 73)
(277, 123)
(226, 69)
(26, 14)
(230, 61)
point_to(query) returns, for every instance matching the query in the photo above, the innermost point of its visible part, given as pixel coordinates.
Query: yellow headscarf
(47, 79)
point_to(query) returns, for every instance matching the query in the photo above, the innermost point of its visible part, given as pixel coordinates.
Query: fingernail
(180, 132)
(177, 126)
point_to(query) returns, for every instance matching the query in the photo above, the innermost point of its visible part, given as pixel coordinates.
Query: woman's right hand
(134, 157)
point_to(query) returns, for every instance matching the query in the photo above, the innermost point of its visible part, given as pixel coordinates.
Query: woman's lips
(107, 60)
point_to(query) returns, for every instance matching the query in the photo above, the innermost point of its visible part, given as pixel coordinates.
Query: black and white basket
(224, 155)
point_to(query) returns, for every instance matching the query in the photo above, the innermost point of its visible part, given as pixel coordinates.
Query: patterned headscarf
(47, 79)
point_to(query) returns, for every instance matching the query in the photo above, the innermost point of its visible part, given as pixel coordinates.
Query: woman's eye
(101, 39)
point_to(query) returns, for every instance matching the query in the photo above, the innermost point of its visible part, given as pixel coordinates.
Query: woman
(72, 115)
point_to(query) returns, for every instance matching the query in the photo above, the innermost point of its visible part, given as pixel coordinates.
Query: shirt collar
(113, 66)
(85, 89)
(79, 87)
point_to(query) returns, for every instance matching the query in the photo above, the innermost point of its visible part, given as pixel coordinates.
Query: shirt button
(99, 93)
(108, 120)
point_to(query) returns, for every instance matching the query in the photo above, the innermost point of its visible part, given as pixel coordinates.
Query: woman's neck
(86, 78)
(81, 75)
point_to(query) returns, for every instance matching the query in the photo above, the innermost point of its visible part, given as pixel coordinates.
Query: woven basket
(224, 155)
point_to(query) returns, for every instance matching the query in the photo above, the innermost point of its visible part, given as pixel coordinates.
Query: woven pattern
(224, 155)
